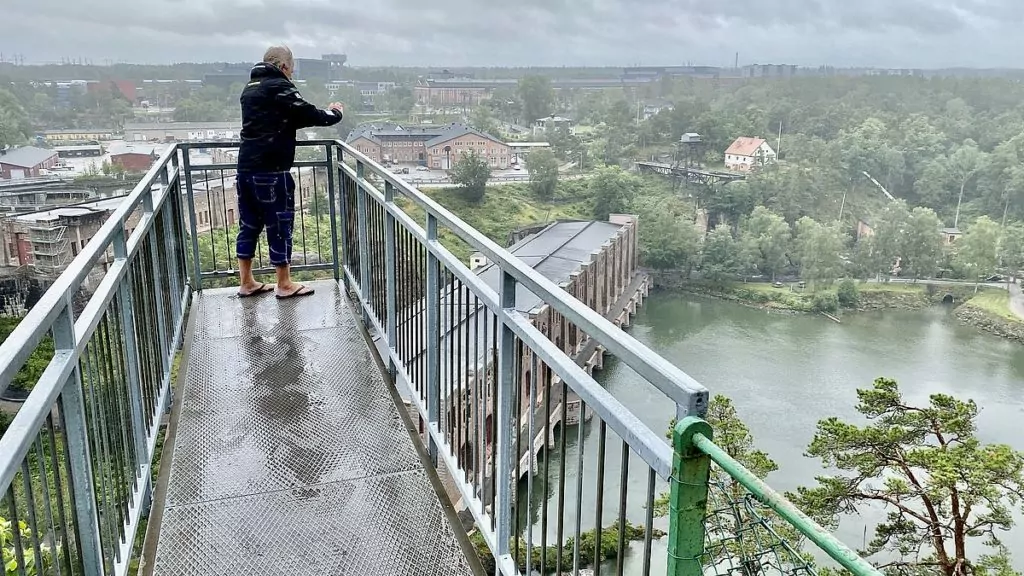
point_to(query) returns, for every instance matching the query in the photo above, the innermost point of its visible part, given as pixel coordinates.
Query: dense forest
(949, 151)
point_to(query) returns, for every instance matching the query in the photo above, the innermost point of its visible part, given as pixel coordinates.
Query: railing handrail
(650, 446)
(689, 428)
(684, 390)
(32, 329)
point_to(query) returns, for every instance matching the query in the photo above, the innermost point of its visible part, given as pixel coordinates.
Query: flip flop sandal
(298, 293)
(263, 289)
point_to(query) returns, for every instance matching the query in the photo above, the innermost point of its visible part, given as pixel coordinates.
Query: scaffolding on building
(51, 251)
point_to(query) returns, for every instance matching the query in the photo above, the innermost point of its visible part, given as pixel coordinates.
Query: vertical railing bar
(562, 436)
(168, 214)
(209, 221)
(186, 172)
(41, 459)
(332, 169)
(446, 371)
(111, 428)
(131, 353)
(529, 465)
(72, 409)
(649, 521)
(62, 515)
(505, 454)
(390, 266)
(224, 222)
(432, 337)
(460, 361)
(479, 451)
(496, 368)
(98, 421)
(580, 437)
(547, 470)
(159, 281)
(316, 216)
(599, 508)
(517, 418)
(364, 245)
(19, 551)
(623, 485)
(297, 212)
(342, 178)
(30, 503)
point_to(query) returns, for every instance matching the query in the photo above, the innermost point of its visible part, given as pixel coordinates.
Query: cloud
(889, 33)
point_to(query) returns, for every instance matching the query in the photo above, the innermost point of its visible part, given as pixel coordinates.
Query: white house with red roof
(748, 153)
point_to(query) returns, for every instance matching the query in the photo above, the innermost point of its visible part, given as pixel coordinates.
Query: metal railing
(488, 382)
(475, 367)
(75, 462)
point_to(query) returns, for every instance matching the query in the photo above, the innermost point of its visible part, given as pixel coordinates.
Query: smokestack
(737, 66)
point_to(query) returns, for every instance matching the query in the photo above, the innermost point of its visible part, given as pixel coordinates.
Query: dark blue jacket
(272, 110)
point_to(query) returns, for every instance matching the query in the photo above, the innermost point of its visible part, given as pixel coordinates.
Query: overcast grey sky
(884, 33)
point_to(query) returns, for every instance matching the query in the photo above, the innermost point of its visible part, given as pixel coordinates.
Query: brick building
(133, 161)
(77, 135)
(26, 162)
(434, 146)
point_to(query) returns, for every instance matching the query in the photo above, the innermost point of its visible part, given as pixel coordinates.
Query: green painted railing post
(688, 499)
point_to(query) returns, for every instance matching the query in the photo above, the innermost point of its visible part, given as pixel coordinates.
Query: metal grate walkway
(289, 454)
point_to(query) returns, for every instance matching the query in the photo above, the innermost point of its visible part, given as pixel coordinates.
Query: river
(786, 372)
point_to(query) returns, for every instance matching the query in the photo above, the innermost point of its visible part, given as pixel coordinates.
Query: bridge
(373, 428)
(688, 173)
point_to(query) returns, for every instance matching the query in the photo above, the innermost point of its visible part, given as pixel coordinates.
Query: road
(1016, 300)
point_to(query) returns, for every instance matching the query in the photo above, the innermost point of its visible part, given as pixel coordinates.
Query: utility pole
(778, 149)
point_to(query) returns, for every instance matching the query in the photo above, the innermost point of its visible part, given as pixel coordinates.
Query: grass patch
(891, 287)
(503, 210)
(995, 302)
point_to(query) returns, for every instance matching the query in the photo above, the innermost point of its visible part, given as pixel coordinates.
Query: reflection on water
(786, 372)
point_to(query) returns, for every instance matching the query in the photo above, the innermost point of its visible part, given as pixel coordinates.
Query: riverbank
(991, 312)
(790, 298)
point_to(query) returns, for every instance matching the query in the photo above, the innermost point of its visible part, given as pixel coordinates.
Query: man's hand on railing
(337, 107)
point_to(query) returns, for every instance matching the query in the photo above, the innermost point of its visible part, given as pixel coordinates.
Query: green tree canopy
(819, 249)
(15, 127)
(472, 172)
(978, 251)
(537, 97)
(543, 168)
(669, 242)
(613, 190)
(766, 238)
(947, 495)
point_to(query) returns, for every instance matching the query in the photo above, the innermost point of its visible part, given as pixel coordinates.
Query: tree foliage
(978, 251)
(613, 190)
(472, 172)
(15, 127)
(722, 257)
(537, 97)
(543, 168)
(819, 249)
(947, 495)
(669, 241)
(766, 240)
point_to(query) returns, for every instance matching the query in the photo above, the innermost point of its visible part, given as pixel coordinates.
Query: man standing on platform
(272, 110)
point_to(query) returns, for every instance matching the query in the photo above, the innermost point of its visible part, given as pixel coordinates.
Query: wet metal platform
(289, 453)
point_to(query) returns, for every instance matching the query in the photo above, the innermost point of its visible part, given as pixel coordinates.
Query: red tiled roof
(745, 146)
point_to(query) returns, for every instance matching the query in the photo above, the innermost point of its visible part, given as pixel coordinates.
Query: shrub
(848, 294)
(825, 302)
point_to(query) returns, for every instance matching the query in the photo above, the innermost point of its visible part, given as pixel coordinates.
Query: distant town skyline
(926, 34)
